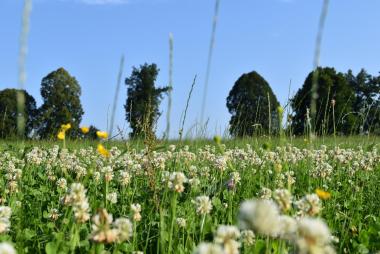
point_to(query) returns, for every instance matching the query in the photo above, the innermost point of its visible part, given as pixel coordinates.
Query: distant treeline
(347, 104)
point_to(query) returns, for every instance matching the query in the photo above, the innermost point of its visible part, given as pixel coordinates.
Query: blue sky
(274, 37)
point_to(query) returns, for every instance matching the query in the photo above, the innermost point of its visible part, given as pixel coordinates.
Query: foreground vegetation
(244, 196)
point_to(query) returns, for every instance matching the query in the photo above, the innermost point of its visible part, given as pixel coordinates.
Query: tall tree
(143, 100)
(253, 106)
(8, 112)
(61, 103)
(367, 101)
(334, 104)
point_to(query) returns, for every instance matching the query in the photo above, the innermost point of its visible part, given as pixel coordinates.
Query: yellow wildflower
(102, 134)
(84, 129)
(218, 139)
(61, 135)
(65, 127)
(323, 194)
(280, 110)
(103, 151)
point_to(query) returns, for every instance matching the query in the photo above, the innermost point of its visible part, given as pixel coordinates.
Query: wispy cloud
(104, 2)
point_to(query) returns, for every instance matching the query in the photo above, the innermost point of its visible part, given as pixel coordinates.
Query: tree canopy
(61, 103)
(8, 112)
(366, 104)
(143, 100)
(253, 106)
(333, 105)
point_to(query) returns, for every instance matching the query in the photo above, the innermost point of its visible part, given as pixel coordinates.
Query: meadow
(264, 195)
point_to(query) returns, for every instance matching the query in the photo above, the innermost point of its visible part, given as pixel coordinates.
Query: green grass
(352, 212)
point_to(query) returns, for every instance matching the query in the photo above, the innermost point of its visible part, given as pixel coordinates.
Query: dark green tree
(8, 112)
(367, 101)
(92, 133)
(333, 105)
(61, 104)
(143, 100)
(250, 108)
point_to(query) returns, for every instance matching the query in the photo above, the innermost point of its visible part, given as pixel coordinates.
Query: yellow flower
(103, 151)
(218, 139)
(65, 127)
(84, 129)
(61, 135)
(323, 194)
(280, 110)
(102, 134)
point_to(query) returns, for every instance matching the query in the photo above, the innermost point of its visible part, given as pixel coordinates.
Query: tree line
(347, 104)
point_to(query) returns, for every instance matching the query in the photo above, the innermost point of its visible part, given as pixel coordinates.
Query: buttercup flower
(61, 135)
(102, 134)
(323, 194)
(84, 129)
(65, 127)
(103, 151)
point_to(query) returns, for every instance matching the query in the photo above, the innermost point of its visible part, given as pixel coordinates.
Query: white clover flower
(124, 178)
(176, 181)
(5, 225)
(124, 229)
(261, 216)
(5, 212)
(7, 248)
(62, 183)
(227, 236)
(288, 227)
(208, 248)
(203, 205)
(172, 148)
(5, 215)
(101, 230)
(108, 174)
(76, 197)
(283, 198)
(220, 163)
(112, 197)
(136, 209)
(54, 214)
(181, 222)
(265, 193)
(309, 205)
(96, 176)
(313, 236)
(247, 237)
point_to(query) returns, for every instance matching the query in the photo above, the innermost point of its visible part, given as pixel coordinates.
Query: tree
(333, 105)
(92, 133)
(8, 112)
(366, 104)
(253, 106)
(61, 104)
(143, 100)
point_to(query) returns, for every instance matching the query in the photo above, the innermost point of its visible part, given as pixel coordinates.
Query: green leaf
(51, 248)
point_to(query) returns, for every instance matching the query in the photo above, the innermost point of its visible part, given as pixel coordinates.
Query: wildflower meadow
(245, 196)
(231, 127)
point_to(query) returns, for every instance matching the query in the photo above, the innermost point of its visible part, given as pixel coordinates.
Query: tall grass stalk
(21, 66)
(170, 86)
(116, 96)
(269, 117)
(209, 59)
(186, 108)
(317, 53)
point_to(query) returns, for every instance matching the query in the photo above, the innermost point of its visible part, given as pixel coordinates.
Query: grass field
(237, 196)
